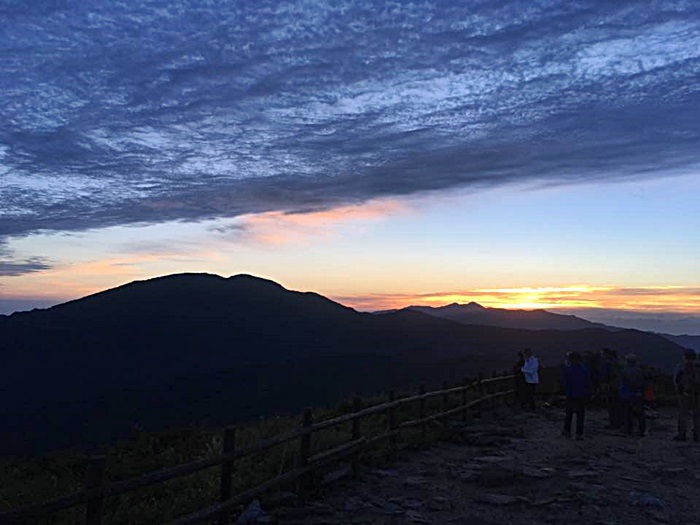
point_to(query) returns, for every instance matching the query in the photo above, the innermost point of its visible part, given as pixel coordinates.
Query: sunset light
(249, 248)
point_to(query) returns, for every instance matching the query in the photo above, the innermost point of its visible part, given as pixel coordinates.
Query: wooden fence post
(494, 401)
(480, 387)
(464, 396)
(95, 481)
(226, 484)
(444, 403)
(356, 434)
(305, 448)
(421, 413)
(391, 424)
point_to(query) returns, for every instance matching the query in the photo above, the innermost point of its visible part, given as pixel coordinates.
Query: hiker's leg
(696, 416)
(569, 416)
(612, 409)
(683, 409)
(530, 396)
(642, 417)
(628, 411)
(580, 415)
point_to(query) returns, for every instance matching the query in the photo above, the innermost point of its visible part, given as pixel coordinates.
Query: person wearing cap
(632, 395)
(530, 369)
(687, 382)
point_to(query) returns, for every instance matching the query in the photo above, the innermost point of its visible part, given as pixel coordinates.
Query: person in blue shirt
(577, 384)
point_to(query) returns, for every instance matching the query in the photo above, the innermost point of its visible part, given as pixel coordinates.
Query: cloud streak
(277, 228)
(13, 266)
(144, 112)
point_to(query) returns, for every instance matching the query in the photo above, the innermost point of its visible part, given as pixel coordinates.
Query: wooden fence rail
(97, 489)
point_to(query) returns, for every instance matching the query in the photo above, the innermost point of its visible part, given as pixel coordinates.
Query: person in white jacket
(530, 369)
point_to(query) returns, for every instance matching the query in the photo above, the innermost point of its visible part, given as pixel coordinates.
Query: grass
(31, 481)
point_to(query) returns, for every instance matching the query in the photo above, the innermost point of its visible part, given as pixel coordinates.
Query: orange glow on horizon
(677, 299)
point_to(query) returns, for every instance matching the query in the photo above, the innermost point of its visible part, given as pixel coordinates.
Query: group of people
(623, 386)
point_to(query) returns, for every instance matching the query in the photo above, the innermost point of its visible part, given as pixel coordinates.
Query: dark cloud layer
(126, 112)
(10, 266)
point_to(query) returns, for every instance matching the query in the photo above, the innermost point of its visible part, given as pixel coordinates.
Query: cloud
(277, 228)
(11, 266)
(144, 112)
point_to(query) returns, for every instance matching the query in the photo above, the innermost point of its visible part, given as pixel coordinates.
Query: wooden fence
(97, 488)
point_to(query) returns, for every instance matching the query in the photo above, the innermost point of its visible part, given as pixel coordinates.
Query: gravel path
(518, 469)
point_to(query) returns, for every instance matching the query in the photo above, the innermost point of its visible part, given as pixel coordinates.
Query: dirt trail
(518, 469)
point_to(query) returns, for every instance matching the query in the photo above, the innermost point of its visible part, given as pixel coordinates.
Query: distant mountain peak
(473, 306)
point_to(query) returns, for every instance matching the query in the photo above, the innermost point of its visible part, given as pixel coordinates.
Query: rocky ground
(518, 469)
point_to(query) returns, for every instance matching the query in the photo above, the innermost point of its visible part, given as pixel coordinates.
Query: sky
(521, 154)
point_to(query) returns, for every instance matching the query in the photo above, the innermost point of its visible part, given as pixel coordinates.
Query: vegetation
(30, 481)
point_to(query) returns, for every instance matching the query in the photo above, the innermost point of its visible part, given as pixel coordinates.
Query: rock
(496, 476)
(483, 441)
(355, 504)
(468, 475)
(495, 499)
(415, 517)
(673, 470)
(577, 461)
(541, 502)
(253, 514)
(320, 508)
(412, 503)
(495, 459)
(577, 474)
(282, 498)
(644, 499)
(392, 509)
(658, 516)
(385, 473)
(439, 503)
(537, 473)
(415, 481)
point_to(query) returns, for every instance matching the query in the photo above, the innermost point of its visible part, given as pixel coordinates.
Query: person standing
(610, 387)
(530, 369)
(687, 382)
(577, 383)
(631, 395)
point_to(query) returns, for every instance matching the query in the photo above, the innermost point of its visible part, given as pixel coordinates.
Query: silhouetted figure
(592, 362)
(519, 381)
(610, 387)
(687, 382)
(577, 384)
(632, 395)
(530, 369)
(649, 387)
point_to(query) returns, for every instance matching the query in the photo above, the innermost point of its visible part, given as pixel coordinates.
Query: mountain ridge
(269, 349)
(476, 314)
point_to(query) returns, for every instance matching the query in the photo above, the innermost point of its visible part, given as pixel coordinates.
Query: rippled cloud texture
(142, 112)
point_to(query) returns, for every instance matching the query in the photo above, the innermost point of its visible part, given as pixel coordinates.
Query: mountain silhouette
(181, 349)
(474, 313)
